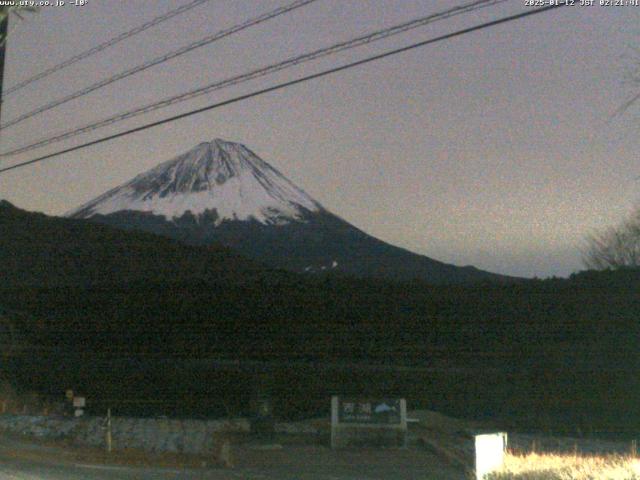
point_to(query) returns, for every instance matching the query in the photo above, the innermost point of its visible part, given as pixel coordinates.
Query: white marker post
(490, 450)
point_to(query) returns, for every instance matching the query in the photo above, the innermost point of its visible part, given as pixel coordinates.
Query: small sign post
(79, 403)
(360, 417)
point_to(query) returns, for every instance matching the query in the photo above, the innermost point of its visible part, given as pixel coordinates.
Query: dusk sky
(498, 149)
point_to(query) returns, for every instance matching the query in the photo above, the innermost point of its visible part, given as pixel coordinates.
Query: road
(25, 461)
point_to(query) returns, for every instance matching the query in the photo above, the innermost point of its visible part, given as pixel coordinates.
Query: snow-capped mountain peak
(222, 193)
(218, 176)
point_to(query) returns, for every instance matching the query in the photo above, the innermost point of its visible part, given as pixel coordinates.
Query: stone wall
(149, 434)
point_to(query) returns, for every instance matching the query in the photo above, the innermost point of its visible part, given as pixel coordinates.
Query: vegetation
(131, 315)
(615, 247)
(535, 466)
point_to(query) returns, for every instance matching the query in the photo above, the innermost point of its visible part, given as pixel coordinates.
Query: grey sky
(494, 149)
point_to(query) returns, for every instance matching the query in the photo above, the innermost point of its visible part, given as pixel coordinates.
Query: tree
(615, 247)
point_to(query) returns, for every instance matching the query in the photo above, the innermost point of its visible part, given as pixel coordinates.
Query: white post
(490, 450)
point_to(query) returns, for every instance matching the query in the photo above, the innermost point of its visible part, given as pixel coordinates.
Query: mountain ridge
(36, 249)
(222, 192)
(223, 176)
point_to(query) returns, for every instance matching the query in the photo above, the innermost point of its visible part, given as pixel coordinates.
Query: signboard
(79, 402)
(384, 412)
(363, 420)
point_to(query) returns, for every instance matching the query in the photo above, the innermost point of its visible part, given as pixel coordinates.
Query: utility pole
(4, 29)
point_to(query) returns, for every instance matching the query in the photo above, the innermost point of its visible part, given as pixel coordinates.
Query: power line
(261, 72)
(158, 60)
(290, 83)
(109, 43)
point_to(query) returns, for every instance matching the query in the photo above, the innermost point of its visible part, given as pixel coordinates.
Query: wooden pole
(108, 430)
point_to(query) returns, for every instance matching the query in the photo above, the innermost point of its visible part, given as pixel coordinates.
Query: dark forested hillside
(43, 251)
(554, 352)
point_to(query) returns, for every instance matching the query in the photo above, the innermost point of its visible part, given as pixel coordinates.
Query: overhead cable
(290, 83)
(98, 48)
(158, 60)
(260, 72)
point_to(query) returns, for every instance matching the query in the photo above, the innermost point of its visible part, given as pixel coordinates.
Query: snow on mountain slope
(220, 176)
(222, 193)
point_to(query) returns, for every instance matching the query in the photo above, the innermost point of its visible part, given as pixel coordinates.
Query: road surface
(20, 460)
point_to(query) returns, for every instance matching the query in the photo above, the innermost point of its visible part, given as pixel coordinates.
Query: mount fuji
(222, 192)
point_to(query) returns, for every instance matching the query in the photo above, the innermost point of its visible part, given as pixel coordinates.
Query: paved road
(14, 469)
(20, 461)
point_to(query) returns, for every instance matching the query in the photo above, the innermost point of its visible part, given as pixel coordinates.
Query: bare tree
(615, 247)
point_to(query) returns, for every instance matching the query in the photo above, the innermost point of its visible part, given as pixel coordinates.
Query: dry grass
(533, 466)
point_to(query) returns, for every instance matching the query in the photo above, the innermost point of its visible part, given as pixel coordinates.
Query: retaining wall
(152, 435)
